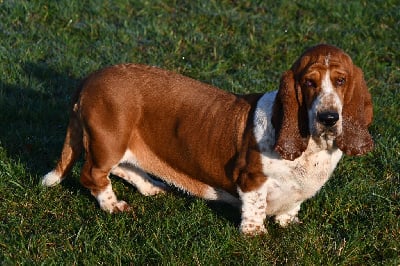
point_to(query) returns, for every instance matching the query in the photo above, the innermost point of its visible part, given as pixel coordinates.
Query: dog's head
(323, 96)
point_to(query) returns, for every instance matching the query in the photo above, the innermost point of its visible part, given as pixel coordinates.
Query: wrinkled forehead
(324, 59)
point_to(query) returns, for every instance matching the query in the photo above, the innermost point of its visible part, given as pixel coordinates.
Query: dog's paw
(121, 206)
(285, 220)
(250, 229)
(51, 179)
(115, 206)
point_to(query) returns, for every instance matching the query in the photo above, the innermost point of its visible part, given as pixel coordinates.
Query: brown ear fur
(290, 119)
(357, 116)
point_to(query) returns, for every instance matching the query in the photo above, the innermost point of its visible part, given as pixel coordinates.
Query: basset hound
(266, 153)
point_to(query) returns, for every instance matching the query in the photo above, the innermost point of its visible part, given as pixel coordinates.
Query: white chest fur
(289, 183)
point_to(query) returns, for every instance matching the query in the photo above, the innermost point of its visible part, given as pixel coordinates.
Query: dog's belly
(290, 183)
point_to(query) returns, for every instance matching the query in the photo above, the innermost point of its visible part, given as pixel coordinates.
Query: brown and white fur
(266, 153)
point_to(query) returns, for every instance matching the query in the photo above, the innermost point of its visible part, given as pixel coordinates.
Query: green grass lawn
(46, 47)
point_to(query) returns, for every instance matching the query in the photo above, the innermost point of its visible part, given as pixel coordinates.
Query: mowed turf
(46, 47)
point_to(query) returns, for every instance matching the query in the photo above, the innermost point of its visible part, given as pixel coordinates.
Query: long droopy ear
(290, 119)
(357, 115)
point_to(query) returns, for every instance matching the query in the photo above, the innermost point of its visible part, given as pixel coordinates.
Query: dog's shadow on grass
(224, 210)
(34, 116)
(227, 211)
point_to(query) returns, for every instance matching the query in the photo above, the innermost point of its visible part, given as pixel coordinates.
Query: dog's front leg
(254, 206)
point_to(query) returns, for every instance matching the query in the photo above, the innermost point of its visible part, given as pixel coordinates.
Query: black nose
(328, 118)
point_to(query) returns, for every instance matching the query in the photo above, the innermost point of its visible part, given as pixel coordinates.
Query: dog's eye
(309, 83)
(340, 82)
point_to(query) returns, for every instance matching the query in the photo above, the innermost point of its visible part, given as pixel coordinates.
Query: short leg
(254, 206)
(143, 182)
(288, 218)
(97, 181)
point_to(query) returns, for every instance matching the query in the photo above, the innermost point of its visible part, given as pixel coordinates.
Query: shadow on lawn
(34, 116)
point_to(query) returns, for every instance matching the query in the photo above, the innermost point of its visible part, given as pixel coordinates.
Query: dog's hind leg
(102, 155)
(97, 181)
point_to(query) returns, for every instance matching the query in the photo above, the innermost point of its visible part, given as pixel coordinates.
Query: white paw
(114, 206)
(251, 229)
(51, 179)
(121, 206)
(285, 220)
(109, 203)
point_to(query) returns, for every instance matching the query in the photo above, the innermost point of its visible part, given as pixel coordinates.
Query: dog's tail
(72, 148)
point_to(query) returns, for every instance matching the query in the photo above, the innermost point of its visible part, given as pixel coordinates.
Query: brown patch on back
(184, 131)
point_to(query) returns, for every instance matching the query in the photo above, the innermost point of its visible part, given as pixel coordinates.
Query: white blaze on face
(327, 59)
(327, 101)
(326, 84)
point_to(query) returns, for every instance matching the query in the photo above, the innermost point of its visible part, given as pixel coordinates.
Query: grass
(240, 46)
